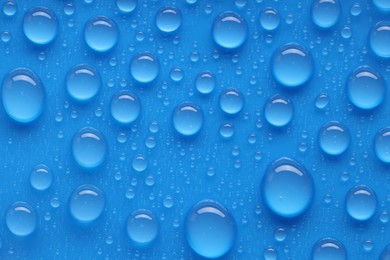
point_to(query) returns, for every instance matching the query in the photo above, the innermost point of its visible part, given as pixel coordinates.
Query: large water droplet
(278, 111)
(125, 107)
(23, 95)
(187, 119)
(325, 13)
(210, 229)
(287, 188)
(231, 101)
(101, 33)
(126, 6)
(86, 204)
(229, 30)
(329, 248)
(269, 19)
(382, 144)
(21, 219)
(334, 138)
(380, 39)
(361, 203)
(41, 177)
(89, 147)
(292, 65)
(168, 19)
(383, 5)
(142, 227)
(40, 25)
(205, 82)
(144, 67)
(83, 82)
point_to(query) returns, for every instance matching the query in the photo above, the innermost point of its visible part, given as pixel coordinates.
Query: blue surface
(181, 129)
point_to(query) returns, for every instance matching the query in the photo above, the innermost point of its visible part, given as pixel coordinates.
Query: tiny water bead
(334, 138)
(89, 147)
(383, 5)
(23, 95)
(126, 6)
(382, 144)
(287, 188)
(229, 30)
(325, 13)
(292, 65)
(142, 227)
(329, 248)
(269, 19)
(187, 119)
(83, 82)
(361, 203)
(205, 82)
(40, 25)
(86, 203)
(210, 229)
(144, 67)
(366, 88)
(278, 111)
(125, 107)
(168, 19)
(380, 39)
(10, 8)
(41, 177)
(101, 33)
(21, 219)
(231, 101)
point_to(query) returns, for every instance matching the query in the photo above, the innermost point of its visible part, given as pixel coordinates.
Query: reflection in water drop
(187, 119)
(231, 101)
(229, 30)
(361, 203)
(101, 33)
(168, 19)
(40, 25)
(142, 227)
(329, 248)
(83, 82)
(21, 219)
(334, 138)
(144, 67)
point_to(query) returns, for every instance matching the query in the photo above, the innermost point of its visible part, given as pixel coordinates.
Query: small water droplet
(229, 30)
(139, 163)
(278, 111)
(144, 67)
(10, 8)
(270, 253)
(280, 234)
(322, 101)
(205, 82)
(361, 203)
(231, 101)
(101, 33)
(126, 6)
(325, 14)
(382, 145)
(187, 119)
(334, 138)
(380, 39)
(177, 74)
(125, 107)
(21, 219)
(40, 25)
(168, 19)
(83, 82)
(41, 177)
(142, 227)
(329, 248)
(269, 19)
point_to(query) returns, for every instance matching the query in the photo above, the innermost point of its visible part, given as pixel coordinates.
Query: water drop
(83, 82)
(280, 234)
(382, 144)
(125, 107)
(86, 204)
(322, 101)
(126, 6)
(21, 219)
(101, 33)
(41, 177)
(187, 119)
(229, 30)
(142, 227)
(366, 88)
(278, 111)
(23, 95)
(168, 202)
(292, 65)
(329, 248)
(226, 130)
(269, 19)
(177, 74)
(69, 9)
(270, 253)
(287, 188)
(361, 203)
(144, 67)
(210, 229)
(383, 5)
(89, 147)
(168, 19)
(356, 9)
(334, 138)
(139, 163)
(40, 25)
(10, 8)
(205, 82)
(325, 13)
(231, 101)
(380, 39)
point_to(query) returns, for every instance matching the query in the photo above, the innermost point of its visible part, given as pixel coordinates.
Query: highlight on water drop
(187, 119)
(83, 82)
(125, 107)
(101, 33)
(334, 138)
(40, 25)
(168, 19)
(361, 203)
(278, 111)
(21, 219)
(231, 101)
(329, 248)
(144, 67)
(142, 227)
(229, 30)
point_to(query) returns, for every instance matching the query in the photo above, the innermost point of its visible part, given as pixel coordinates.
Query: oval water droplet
(168, 19)
(231, 101)
(89, 147)
(41, 177)
(187, 119)
(292, 65)
(86, 203)
(361, 203)
(226, 130)
(229, 30)
(329, 248)
(322, 101)
(101, 33)
(40, 25)
(23, 95)
(125, 107)
(269, 19)
(210, 229)
(287, 188)
(325, 13)
(382, 144)
(142, 227)
(366, 88)
(126, 6)
(83, 82)
(205, 82)
(144, 67)
(278, 111)
(334, 138)
(10, 8)
(380, 39)
(21, 219)
(139, 163)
